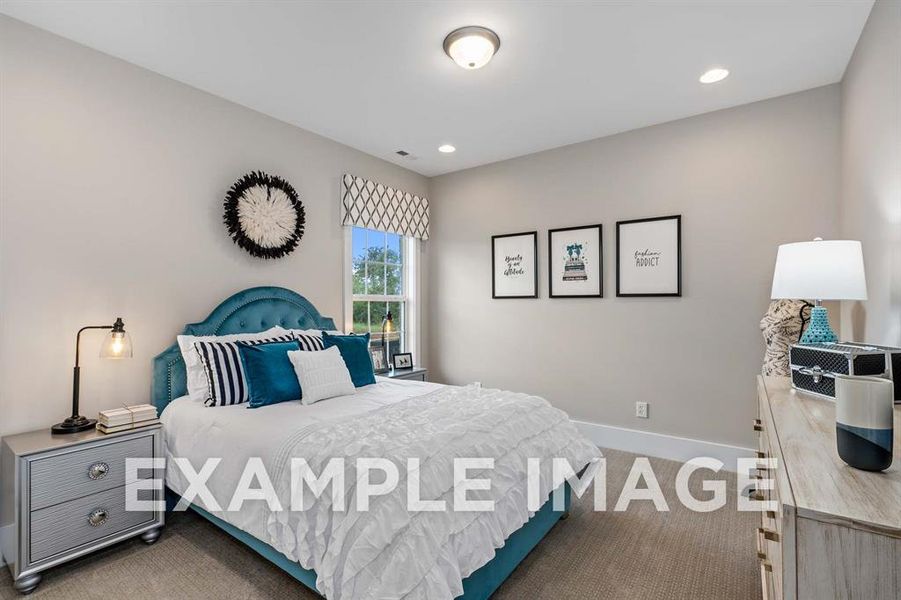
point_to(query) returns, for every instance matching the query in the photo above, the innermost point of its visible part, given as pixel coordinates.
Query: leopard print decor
(781, 327)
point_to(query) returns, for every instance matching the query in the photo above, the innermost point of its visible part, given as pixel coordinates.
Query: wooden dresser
(837, 531)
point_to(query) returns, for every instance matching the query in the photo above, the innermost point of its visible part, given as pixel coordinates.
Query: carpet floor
(636, 554)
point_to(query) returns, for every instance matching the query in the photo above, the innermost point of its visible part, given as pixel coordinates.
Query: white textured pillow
(321, 374)
(198, 386)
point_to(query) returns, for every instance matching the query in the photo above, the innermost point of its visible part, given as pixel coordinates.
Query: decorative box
(813, 365)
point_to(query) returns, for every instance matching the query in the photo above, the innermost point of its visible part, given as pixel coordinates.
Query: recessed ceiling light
(471, 47)
(446, 148)
(714, 75)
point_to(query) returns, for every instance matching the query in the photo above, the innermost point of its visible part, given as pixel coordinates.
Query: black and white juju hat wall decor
(264, 215)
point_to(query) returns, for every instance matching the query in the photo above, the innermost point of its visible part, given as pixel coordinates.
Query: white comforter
(389, 552)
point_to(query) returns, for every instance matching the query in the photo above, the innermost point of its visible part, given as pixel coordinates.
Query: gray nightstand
(63, 496)
(413, 373)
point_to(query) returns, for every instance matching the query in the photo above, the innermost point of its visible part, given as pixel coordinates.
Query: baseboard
(659, 445)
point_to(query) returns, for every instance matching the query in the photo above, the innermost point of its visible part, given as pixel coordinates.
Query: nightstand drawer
(71, 524)
(62, 477)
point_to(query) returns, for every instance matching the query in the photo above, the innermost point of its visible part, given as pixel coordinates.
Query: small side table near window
(64, 496)
(412, 374)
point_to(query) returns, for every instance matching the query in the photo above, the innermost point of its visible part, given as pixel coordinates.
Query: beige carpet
(637, 554)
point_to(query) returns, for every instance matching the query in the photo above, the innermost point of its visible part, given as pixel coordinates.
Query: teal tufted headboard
(254, 309)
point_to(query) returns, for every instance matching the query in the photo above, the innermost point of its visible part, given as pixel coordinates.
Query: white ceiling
(373, 74)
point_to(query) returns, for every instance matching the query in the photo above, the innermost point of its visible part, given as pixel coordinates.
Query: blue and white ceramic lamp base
(864, 421)
(818, 330)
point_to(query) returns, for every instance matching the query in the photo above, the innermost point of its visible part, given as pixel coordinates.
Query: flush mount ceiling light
(714, 75)
(446, 148)
(471, 47)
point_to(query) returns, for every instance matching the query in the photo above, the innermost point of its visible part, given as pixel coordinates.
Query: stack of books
(127, 417)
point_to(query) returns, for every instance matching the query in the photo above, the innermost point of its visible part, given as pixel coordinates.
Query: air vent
(402, 153)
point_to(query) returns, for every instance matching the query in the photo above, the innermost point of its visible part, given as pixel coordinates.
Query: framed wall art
(514, 265)
(649, 257)
(576, 262)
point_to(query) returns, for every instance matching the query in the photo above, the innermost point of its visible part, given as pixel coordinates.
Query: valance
(366, 203)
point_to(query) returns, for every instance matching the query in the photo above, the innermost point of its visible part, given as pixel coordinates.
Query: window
(381, 269)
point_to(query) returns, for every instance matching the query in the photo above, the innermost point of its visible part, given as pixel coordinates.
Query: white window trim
(411, 290)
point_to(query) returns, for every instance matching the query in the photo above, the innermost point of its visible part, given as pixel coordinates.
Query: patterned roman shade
(368, 204)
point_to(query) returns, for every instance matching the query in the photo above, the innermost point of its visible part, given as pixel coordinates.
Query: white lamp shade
(820, 270)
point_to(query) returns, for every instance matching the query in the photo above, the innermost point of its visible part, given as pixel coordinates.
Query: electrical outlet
(641, 410)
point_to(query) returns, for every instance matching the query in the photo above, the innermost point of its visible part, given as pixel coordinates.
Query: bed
(196, 432)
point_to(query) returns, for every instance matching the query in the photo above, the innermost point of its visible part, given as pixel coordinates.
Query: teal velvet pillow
(269, 373)
(354, 350)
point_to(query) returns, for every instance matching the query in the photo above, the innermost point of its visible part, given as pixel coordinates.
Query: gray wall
(112, 181)
(871, 174)
(744, 180)
(112, 186)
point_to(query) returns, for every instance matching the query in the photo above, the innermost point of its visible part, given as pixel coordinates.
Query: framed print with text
(514, 265)
(649, 257)
(576, 262)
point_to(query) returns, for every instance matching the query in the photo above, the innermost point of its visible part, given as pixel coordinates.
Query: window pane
(361, 317)
(397, 314)
(394, 249)
(394, 347)
(375, 278)
(359, 244)
(359, 275)
(377, 312)
(375, 240)
(394, 284)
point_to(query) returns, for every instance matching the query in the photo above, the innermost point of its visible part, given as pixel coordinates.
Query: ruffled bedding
(388, 552)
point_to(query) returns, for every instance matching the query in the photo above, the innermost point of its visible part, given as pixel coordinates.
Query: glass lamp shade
(820, 270)
(471, 47)
(117, 344)
(388, 323)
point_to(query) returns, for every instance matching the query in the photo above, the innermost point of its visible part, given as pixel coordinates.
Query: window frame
(409, 297)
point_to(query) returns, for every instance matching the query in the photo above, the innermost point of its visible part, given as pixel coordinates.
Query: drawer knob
(98, 470)
(758, 426)
(98, 517)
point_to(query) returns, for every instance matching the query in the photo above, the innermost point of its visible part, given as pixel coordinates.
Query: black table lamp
(117, 344)
(387, 327)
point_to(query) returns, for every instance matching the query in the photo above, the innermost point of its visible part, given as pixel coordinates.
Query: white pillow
(196, 376)
(321, 374)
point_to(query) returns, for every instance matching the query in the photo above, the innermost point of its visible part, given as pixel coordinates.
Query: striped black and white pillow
(226, 382)
(309, 342)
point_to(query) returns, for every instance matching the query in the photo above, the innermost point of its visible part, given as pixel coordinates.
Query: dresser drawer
(68, 525)
(62, 477)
